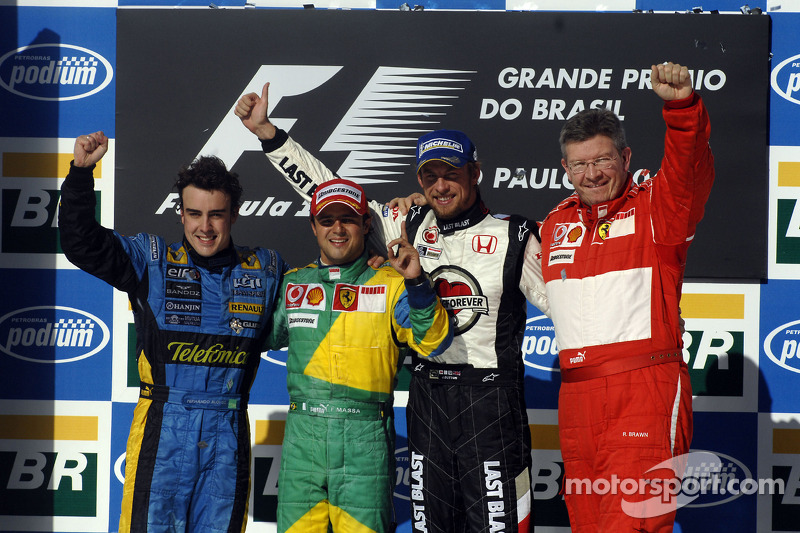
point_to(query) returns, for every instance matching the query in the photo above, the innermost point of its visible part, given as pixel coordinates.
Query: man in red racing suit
(613, 258)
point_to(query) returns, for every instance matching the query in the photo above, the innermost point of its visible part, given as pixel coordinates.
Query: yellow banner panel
(544, 437)
(712, 306)
(39, 165)
(788, 174)
(48, 427)
(786, 440)
(270, 431)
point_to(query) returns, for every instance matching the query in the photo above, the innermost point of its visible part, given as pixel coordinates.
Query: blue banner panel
(471, 5)
(55, 76)
(540, 355)
(269, 387)
(780, 337)
(712, 491)
(55, 336)
(121, 418)
(785, 80)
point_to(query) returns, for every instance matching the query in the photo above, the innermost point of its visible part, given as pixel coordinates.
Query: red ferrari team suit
(613, 273)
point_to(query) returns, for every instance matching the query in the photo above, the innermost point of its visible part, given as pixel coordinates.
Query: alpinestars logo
(378, 132)
(461, 295)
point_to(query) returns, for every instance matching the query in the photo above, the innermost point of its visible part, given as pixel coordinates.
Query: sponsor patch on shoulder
(568, 235)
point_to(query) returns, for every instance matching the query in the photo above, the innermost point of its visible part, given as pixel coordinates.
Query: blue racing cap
(449, 146)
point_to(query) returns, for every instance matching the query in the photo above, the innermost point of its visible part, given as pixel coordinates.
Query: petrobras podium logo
(52, 334)
(781, 346)
(276, 357)
(785, 79)
(54, 72)
(403, 474)
(539, 347)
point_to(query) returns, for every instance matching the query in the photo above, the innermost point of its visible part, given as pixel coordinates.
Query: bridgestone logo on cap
(441, 143)
(339, 189)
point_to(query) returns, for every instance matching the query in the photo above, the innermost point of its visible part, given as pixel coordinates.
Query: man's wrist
(266, 132)
(419, 280)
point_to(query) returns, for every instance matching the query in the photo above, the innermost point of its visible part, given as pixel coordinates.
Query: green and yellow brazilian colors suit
(345, 327)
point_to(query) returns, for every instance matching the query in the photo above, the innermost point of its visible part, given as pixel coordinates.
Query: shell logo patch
(304, 296)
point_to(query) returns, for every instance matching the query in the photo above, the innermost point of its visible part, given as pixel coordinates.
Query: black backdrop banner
(357, 88)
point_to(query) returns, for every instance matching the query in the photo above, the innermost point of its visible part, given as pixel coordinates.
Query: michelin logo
(440, 143)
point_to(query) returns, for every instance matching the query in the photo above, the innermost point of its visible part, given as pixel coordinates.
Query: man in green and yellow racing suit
(345, 323)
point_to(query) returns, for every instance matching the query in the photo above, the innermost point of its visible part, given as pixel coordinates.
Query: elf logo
(781, 346)
(54, 72)
(52, 334)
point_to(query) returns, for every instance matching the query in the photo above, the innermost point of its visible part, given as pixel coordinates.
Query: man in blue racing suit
(200, 309)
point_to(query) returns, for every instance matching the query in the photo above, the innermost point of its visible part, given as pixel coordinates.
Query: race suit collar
(468, 218)
(590, 214)
(346, 273)
(221, 259)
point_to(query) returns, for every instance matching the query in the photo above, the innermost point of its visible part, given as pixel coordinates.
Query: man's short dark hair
(589, 123)
(209, 173)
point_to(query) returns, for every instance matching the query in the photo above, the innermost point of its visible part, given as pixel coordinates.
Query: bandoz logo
(785, 79)
(781, 346)
(52, 334)
(54, 72)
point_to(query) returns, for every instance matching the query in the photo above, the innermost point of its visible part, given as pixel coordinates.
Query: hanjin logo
(54, 72)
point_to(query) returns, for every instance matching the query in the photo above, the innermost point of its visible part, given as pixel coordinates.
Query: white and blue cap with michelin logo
(449, 146)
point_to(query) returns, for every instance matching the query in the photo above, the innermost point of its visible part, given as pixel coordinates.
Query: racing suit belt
(192, 399)
(339, 408)
(461, 374)
(617, 366)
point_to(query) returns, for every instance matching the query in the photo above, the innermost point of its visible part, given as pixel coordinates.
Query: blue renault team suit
(200, 323)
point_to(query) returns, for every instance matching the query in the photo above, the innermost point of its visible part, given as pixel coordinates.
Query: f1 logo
(484, 244)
